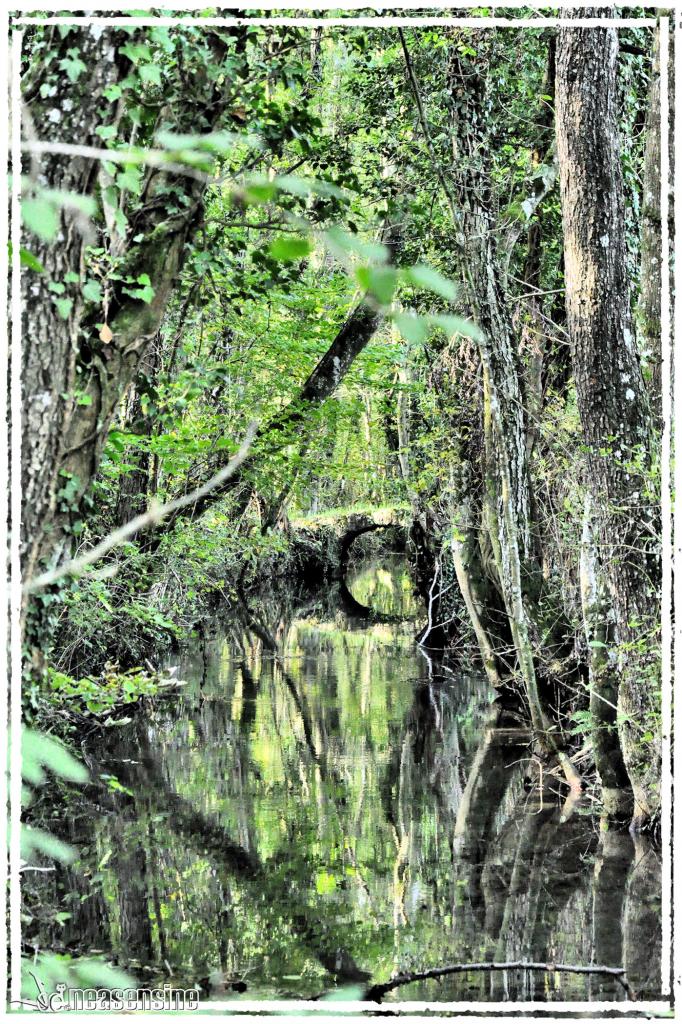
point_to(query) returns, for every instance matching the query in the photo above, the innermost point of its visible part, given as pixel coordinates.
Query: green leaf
(40, 749)
(145, 294)
(136, 52)
(106, 131)
(92, 291)
(456, 325)
(73, 66)
(64, 307)
(34, 840)
(259, 191)
(411, 326)
(27, 259)
(378, 281)
(288, 249)
(40, 217)
(306, 186)
(426, 277)
(150, 73)
(130, 179)
(112, 92)
(343, 242)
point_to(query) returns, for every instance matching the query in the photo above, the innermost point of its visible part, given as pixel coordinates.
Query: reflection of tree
(135, 928)
(611, 867)
(642, 918)
(324, 800)
(268, 883)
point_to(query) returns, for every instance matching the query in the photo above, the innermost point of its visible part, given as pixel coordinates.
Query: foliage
(109, 692)
(249, 196)
(42, 972)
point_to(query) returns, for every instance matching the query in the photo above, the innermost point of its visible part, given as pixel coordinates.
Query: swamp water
(321, 799)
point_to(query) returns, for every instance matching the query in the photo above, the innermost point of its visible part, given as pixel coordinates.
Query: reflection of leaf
(347, 993)
(325, 883)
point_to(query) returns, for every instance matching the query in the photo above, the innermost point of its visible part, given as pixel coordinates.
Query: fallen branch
(377, 992)
(155, 514)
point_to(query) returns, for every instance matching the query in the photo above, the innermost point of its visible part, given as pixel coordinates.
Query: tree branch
(377, 992)
(155, 514)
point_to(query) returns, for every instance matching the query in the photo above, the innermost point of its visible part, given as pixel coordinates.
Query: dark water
(322, 805)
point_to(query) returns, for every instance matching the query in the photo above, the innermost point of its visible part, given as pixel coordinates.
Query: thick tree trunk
(649, 307)
(49, 381)
(73, 377)
(612, 400)
(507, 505)
(608, 757)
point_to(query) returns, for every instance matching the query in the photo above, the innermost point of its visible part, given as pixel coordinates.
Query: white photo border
(10, 468)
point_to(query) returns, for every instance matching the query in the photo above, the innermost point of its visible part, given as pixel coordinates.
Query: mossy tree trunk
(507, 501)
(74, 374)
(612, 400)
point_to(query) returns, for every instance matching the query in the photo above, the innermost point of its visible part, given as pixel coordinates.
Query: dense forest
(346, 415)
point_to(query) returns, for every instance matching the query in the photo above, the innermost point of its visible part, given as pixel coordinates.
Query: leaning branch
(377, 992)
(148, 157)
(155, 514)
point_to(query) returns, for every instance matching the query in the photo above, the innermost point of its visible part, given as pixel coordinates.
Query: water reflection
(385, 587)
(322, 806)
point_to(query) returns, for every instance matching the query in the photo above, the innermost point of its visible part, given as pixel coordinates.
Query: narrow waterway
(324, 805)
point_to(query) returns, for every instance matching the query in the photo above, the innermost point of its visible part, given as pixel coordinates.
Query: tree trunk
(651, 241)
(649, 306)
(74, 377)
(134, 485)
(507, 504)
(612, 400)
(615, 787)
(50, 341)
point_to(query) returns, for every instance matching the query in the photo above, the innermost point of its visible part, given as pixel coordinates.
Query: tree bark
(649, 306)
(507, 504)
(134, 485)
(608, 757)
(73, 379)
(612, 400)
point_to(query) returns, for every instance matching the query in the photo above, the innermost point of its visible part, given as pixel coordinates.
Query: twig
(416, 92)
(150, 157)
(153, 516)
(377, 992)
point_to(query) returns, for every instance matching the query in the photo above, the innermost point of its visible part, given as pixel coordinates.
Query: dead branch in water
(377, 992)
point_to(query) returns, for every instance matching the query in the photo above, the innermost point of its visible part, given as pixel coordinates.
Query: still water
(323, 805)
